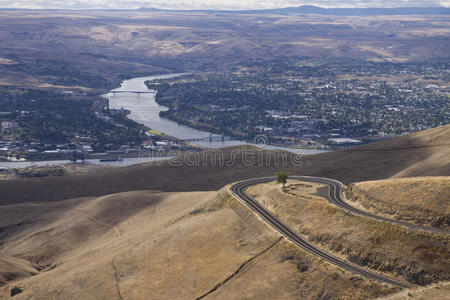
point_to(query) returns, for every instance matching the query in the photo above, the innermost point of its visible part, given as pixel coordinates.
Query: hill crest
(419, 154)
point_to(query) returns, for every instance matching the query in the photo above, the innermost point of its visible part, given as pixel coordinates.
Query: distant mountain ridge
(369, 11)
(309, 9)
(305, 9)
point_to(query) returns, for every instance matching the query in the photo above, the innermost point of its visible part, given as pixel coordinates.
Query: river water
(144, 109)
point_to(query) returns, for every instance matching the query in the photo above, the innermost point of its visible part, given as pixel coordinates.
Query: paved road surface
(335, 188)
(239, 191)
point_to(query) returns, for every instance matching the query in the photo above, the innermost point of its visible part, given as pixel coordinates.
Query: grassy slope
(435, 292)
(135, 242)
(418, 257)
(421, 200)
(153, 245)
(172, 38)
(421, 154)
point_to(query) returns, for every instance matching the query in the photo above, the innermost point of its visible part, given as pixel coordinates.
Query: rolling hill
(110, 44)
(419, 200)
(146, 231)
(424, 153)
(154, 245)
(310, 9)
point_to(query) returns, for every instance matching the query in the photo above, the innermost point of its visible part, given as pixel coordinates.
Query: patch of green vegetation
(298, 97)
(152, 131)
(33, 172)
(50, 117)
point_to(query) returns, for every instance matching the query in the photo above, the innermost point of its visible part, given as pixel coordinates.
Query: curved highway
(239, 191)
(335, 188)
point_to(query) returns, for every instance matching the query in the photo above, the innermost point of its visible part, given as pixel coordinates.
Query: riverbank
(127, 161)
(145, 109)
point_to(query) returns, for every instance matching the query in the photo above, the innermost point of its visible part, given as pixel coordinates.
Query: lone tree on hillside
(282, 178)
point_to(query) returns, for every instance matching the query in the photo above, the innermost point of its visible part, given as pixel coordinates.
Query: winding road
(335, 188)
(239, 191)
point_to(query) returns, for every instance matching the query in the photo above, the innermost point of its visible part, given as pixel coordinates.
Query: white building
(9, 125)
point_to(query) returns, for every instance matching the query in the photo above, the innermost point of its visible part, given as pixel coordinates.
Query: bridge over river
(133, 92)
(209, 138)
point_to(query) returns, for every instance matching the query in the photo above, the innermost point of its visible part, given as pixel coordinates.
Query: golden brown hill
(420, 200)
(425, 153)
(101, 39)
(12, 268)
(434, 291)
(418, 257)
(154, 245)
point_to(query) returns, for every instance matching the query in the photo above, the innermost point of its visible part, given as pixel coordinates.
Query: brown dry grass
(12, 268)
(153, 245)
(252, 36)
(421, 154)
(435, 291)
(420, 200)
(181, 245)
(45, 171)
(417, 257)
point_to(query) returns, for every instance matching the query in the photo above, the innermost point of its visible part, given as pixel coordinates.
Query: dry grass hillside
(51, 171)
(154, 245)
(109, 233)
(425, 153)
(418, 257)
(434, 291)
(420, 200)
(215, 38)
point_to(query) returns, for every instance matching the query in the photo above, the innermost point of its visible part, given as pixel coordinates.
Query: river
(144, 109)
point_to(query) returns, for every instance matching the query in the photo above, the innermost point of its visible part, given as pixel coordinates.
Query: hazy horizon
(216, 4)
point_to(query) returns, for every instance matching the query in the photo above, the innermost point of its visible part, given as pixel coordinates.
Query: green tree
(282, 178)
